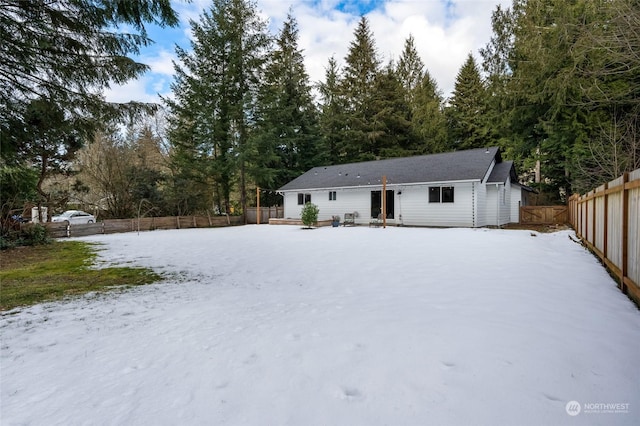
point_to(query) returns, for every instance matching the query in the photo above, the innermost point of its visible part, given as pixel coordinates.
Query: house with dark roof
(470, 188)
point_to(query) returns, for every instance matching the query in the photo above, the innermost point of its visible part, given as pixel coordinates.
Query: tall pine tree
(410, 69)
(391, 118)
(429, 124)
(332, 116)
(285, 138)
(215, 90)
(467, 124)
(358, 85)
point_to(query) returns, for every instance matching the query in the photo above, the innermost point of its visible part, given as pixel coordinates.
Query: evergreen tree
(428, 120)
(543, 89)
(425, 99)
(391, 134)
(332, 116)
(56, 58)
(410, 69)
(466, 120)
(285, 139)
(48, 142)
(496, 58)
(359, 75)
(68, 51)
(563, 80)
(215, 91)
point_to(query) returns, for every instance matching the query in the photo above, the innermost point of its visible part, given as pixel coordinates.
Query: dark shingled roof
(501, 172)
(471, 164)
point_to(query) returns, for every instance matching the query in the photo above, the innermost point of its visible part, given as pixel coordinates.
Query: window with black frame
(441, 194)
(303, 198)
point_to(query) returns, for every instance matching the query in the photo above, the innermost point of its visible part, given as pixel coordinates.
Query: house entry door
(376, 204)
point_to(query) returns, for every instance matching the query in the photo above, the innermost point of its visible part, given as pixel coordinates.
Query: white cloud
(161, 62)
(140, 90)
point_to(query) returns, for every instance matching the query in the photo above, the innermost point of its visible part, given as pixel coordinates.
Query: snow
(278, 325)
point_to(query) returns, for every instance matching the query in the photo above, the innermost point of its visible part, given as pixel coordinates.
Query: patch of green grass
(30, 275)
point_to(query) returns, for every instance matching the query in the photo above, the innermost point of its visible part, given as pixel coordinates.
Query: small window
(442, 194)
(434, 194)
(447, 194)
(303, 198)
(332, 195)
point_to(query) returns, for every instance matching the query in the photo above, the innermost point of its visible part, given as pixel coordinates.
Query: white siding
(516, 202)
(347, 201)
(505, 204)
(411, 207)
(480, 194)
(491, 205)
(417, 211)
(291, 207)
(498, 204)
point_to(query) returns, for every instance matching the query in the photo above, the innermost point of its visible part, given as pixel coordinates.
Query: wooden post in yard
(384, 201)
(258, 205)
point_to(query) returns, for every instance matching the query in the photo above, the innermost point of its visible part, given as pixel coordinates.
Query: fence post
(580, 216)
(605, 243)
(625, 231)
(586, 218)
(593, 217)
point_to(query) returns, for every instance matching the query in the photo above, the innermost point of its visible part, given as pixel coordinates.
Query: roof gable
(501, 171)
(471, 164)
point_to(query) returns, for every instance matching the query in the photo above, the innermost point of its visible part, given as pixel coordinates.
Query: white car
(74, 217)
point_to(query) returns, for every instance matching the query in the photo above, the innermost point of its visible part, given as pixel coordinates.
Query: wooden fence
(607, 220)
(266, 213)
(111, 226)
(543, 215)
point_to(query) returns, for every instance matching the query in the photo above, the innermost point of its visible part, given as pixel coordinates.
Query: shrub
(34, 235)
(29, 235)
(310, 214)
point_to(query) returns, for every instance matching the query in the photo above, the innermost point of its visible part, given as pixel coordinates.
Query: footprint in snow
(552, 397)
(350, 393)
(448, 365)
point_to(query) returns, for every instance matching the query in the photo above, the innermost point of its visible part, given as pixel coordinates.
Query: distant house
(470, 188)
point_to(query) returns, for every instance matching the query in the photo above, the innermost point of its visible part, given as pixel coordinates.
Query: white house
(470, 188)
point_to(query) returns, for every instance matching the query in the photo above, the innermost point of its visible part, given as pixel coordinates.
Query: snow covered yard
(275, 325)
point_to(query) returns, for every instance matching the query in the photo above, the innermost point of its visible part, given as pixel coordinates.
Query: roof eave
(379, 185)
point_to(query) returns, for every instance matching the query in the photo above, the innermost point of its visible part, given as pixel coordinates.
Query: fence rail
(607, 220)
(112, 226)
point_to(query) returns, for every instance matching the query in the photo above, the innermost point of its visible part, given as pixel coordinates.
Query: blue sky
(445, 31)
